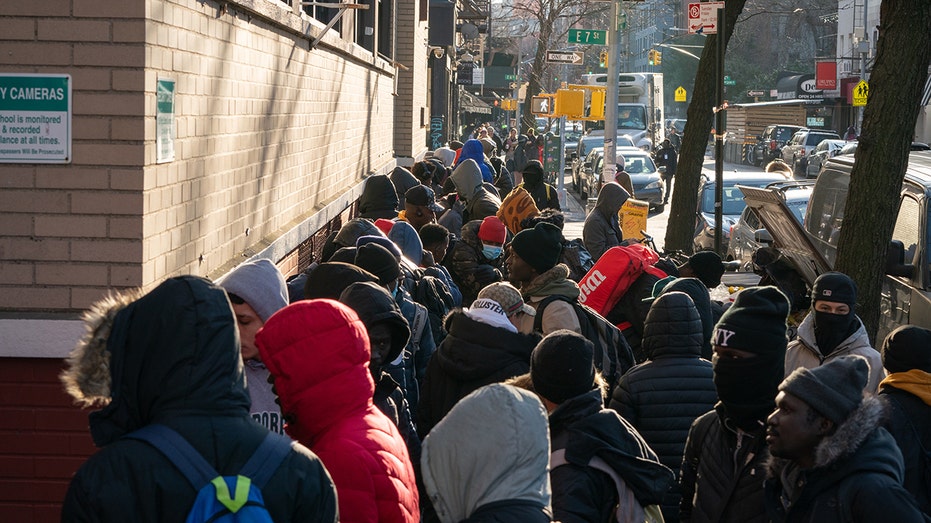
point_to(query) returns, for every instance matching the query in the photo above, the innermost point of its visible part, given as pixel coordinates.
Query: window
(908, 228)
(826, 211)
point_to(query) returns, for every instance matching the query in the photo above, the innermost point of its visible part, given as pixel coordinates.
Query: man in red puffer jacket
(318, 353)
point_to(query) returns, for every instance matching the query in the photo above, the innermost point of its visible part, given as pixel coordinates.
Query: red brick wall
(43, 440)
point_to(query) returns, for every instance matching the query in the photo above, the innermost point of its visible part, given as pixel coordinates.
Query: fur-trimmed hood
(173, 351)
(846, 439)
(555, 281)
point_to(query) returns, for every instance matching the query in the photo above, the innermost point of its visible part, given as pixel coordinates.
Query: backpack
(221, 498)
(612, 355)
(628, 507)
(433, 294)
(614, 273)
(577, 258)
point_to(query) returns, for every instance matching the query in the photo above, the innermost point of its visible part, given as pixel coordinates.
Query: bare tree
(681, 224)
(903, 53)
(552, 19)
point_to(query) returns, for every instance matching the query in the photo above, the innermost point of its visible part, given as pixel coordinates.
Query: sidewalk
(574, 211)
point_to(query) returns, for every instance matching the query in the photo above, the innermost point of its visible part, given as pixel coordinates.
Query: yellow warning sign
(680, 94)
(861, 92)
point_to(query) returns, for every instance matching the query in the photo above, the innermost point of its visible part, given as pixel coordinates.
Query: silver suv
(796, 151)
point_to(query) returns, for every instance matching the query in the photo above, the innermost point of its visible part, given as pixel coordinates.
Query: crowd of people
(435, 363)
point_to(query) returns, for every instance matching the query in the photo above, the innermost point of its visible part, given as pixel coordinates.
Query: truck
(639, 106)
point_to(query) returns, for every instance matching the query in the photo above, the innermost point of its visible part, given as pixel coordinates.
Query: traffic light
(651, 57)
(657, 57)
(603, 59)
(597, 109)
(570, 102)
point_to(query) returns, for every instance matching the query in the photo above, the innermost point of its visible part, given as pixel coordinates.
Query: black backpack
(577, 258)
(433, 294)
(612, 355)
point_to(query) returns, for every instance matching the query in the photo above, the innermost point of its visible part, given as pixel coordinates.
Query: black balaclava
(755, 323)
(832, 329)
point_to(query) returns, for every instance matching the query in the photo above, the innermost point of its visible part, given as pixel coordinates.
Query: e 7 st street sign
(588, 36)
(564, 57)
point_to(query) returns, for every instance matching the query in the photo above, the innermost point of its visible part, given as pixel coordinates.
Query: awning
(469, 103)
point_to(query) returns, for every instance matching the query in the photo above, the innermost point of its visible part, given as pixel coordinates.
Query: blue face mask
(491, 252)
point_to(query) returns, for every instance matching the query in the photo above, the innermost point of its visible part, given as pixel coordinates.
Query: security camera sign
(35, 118)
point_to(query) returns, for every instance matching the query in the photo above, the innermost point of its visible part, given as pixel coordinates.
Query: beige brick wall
(413, 114)
(268, 132)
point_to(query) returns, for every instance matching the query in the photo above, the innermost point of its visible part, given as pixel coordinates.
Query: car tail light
(772, 145)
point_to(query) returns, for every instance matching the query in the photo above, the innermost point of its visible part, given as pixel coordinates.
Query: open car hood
(788, 235)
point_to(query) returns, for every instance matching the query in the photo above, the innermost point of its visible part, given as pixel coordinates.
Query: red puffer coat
(318, 352)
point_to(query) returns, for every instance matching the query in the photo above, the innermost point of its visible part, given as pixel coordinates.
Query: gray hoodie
(602, 230)
(493, 446)
(479, 203)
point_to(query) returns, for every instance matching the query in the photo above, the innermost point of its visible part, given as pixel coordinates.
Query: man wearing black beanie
(724, 463)
(832, 329)
(589, 440)
(533, 267)
(906, 393)
(831, 461)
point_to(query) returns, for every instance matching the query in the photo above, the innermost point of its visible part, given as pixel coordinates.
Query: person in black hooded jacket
(482, 347)
(172, 357)
(664, 395)
(388, 334)
(588, 440)
(379, 198)
(544, 195)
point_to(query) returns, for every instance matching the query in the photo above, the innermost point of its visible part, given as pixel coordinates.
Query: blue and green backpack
(221, 498)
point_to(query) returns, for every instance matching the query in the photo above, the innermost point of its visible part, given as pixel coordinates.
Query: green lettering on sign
(588, 36)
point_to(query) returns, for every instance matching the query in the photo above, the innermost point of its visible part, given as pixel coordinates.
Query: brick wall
(267, 133)
(43, 440)
(413, 114)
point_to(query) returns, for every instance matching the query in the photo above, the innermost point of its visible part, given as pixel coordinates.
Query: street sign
(729, 81)
(510, 77)
(680, 94)
(35, 118)
(588, 36)
(861, 92)
(564, 57)
(703, 17)
(755, 93)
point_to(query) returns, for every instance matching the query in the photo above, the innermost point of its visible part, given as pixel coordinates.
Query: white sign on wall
(35, 118)
(165, 121)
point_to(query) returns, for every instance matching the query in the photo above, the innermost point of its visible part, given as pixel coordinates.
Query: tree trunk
(898, 77)
(681, 225)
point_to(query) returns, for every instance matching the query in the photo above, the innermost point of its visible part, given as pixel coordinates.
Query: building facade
(273, 123)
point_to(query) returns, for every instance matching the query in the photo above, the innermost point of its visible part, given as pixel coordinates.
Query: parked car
(646, 180)
(732, 205)
(678, 123)
(748, 234)
(906, 288)
(585, 146)
(851, 147)
(796, 151)
(769, 144)
(848, 148)
(823, 151)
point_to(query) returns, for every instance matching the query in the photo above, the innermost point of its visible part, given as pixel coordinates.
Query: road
(656, 222)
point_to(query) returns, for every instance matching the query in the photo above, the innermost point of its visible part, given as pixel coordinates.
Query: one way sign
(564, 57)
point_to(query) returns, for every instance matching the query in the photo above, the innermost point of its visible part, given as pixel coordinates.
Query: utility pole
(719, 137)
(614, 56)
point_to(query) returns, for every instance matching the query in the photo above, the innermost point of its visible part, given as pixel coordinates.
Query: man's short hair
(433, 234)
